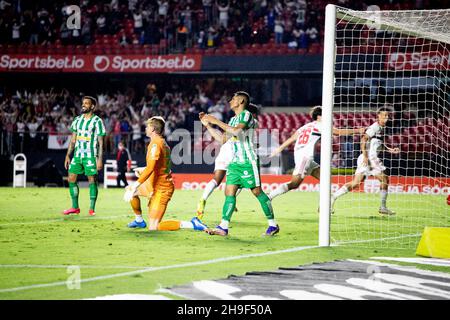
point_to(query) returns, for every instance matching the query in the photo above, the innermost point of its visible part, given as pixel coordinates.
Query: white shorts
(224, 157)
(304, 165)
(375, 167)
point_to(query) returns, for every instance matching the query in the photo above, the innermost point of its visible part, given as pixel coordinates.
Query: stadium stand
(159, 27)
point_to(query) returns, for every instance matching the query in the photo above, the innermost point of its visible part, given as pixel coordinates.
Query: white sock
(209, 189)
(272, 223)
(279, 191)
(384, 195)
(238, 191)
(186, 225)
(139, 218)
(224, 224)
(343, 190)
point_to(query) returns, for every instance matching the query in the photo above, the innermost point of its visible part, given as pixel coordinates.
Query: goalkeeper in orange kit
(155, 182)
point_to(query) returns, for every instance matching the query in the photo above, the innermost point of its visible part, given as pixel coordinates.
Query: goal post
(327, 119)
(399, 60)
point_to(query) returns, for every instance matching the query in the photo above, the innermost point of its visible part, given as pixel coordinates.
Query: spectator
(33, 126)
(136, 140)
(15, 32)
(101, 24)
(279, 31)
(64, 33)
(86, 32)
(202, 39)
(138, 22)
(312, 34)
(182, 34)
(207, 10)
(123, 164)
(224, 7)
(163, 8)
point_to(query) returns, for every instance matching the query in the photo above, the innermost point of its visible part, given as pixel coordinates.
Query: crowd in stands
(176, 24)
(27, 117)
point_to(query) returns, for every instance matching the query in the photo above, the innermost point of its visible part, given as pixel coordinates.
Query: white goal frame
(328, 88)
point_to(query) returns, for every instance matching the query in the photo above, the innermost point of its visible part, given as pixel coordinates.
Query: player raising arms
(221, 164)
(368, 162)
(243, 171)
(155, 182)
(305, 139)
(87, 143)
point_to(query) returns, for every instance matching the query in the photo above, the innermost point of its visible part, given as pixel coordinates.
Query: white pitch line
(152, 269)
(62, 220)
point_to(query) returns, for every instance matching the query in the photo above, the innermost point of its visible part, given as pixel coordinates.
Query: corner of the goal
(435, 243)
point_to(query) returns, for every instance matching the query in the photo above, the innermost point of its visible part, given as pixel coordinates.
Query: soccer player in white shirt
(369, 164)
(221, 164)
(305, 139)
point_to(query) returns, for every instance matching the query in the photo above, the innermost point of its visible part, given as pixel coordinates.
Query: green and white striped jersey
(87, 130)
(244, 149)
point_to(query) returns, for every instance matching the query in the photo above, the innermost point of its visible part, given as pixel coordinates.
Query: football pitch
(40, 250)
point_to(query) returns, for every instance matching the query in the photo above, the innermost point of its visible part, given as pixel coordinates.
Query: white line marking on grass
(152, 269)
(63, 219)
(64, 266)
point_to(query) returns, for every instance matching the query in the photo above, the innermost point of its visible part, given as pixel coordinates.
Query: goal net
(399, 60)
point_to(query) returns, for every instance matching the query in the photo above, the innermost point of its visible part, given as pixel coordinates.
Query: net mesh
(398, 59)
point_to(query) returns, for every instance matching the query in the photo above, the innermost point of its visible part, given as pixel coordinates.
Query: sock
(384, 195)
(209, 189)
(169, 225)
(224, 224)
(186, 225)
(228, 207)
(138, 218)
(272, 222)
(343, 190)
(279, 191)
(93, 192)
(238, 191)
(266, 205)
(136, 206)
(73, 189)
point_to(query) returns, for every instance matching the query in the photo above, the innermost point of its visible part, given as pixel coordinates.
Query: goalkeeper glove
(130, 191)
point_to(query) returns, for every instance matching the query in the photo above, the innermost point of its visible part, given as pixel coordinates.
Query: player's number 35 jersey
(87, 131)
(308, 135)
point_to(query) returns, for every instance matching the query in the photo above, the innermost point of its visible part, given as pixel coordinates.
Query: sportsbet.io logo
(101, 63)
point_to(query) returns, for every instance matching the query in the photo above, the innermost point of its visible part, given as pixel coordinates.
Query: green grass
(33, 232)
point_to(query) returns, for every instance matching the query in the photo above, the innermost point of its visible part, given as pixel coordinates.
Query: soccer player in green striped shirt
(243, 171)
(87, 144)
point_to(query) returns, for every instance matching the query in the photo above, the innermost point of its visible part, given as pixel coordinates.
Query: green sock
(93, 192)
(228, 207)
(73, 189)
(266, 205)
